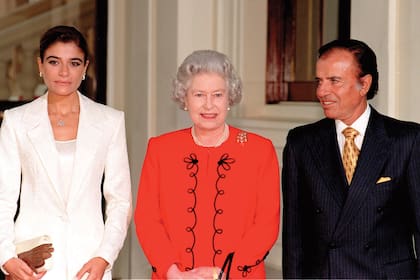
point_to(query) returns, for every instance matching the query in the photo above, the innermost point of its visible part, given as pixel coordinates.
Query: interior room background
(138, 44)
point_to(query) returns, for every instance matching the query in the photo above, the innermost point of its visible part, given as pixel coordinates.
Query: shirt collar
(360, 124)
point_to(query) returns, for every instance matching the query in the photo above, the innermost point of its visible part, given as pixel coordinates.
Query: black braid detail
(192, 164)
(223, 163)
(248, 268)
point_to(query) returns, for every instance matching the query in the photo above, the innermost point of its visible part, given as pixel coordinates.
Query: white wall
(408, 60)
(394, 36)
(129, 88)
(379, 34)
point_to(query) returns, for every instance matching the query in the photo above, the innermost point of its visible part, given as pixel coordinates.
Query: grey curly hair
(206, 61)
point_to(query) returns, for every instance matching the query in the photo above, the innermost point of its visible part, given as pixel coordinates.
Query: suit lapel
(40, 134)
(327, 158)
(370, 163)
(89, 135)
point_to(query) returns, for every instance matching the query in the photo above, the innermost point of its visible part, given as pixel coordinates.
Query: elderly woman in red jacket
(209, 195)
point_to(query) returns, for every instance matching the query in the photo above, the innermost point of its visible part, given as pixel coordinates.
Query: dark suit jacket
(365, 230)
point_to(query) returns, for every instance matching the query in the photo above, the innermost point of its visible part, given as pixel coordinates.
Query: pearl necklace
(223, 137)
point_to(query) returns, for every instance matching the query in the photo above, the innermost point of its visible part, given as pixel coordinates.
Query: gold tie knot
(350, 132)
(350, 152)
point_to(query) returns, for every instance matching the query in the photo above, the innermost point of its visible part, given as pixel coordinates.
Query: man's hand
(35, 258)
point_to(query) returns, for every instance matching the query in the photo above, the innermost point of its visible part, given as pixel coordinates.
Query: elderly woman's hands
(200, 273)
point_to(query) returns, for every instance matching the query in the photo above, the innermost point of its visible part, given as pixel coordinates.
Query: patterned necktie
(350, 152)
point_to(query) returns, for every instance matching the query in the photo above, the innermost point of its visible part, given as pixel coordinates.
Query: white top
(66, 151)
(360, 125)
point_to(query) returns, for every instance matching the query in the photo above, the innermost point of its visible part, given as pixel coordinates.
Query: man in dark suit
(351, 223)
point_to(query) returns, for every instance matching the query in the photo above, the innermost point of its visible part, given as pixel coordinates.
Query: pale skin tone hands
(95, 268)
(36, 257)
(199, 273)
(24, 267)
(19, 270)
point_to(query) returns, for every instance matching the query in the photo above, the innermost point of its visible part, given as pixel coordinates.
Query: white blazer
(28, 149)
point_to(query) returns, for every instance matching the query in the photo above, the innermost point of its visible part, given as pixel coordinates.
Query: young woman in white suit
(54, 153)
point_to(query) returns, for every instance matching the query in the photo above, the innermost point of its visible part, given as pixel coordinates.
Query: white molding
(152, 113)
(116, 44)
(393, 104)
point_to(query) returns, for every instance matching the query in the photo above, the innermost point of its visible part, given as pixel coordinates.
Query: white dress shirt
(360, 125)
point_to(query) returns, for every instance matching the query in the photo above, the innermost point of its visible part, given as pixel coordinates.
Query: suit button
(318, 210)
(332, 245)
(379, 209)
(367, 246)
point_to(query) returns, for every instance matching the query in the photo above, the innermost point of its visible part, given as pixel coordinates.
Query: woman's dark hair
(365, 58)
(64, 34)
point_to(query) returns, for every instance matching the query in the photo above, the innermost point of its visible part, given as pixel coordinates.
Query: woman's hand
(19, 270)
(199, 273)
(206, 272)
(35, 258)
(95, 269)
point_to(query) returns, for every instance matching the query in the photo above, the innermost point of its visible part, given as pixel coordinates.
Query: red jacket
(196, 205)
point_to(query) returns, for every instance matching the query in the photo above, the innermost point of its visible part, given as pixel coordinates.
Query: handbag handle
(228, 263)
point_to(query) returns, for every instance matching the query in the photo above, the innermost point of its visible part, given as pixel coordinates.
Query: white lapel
(89, 137)
(41, 136)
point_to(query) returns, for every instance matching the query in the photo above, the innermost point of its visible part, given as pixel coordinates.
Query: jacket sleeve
(150, 230)
(261, 236)
(292, 231)
(413, 176)
(117, 194)
(10, 171)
